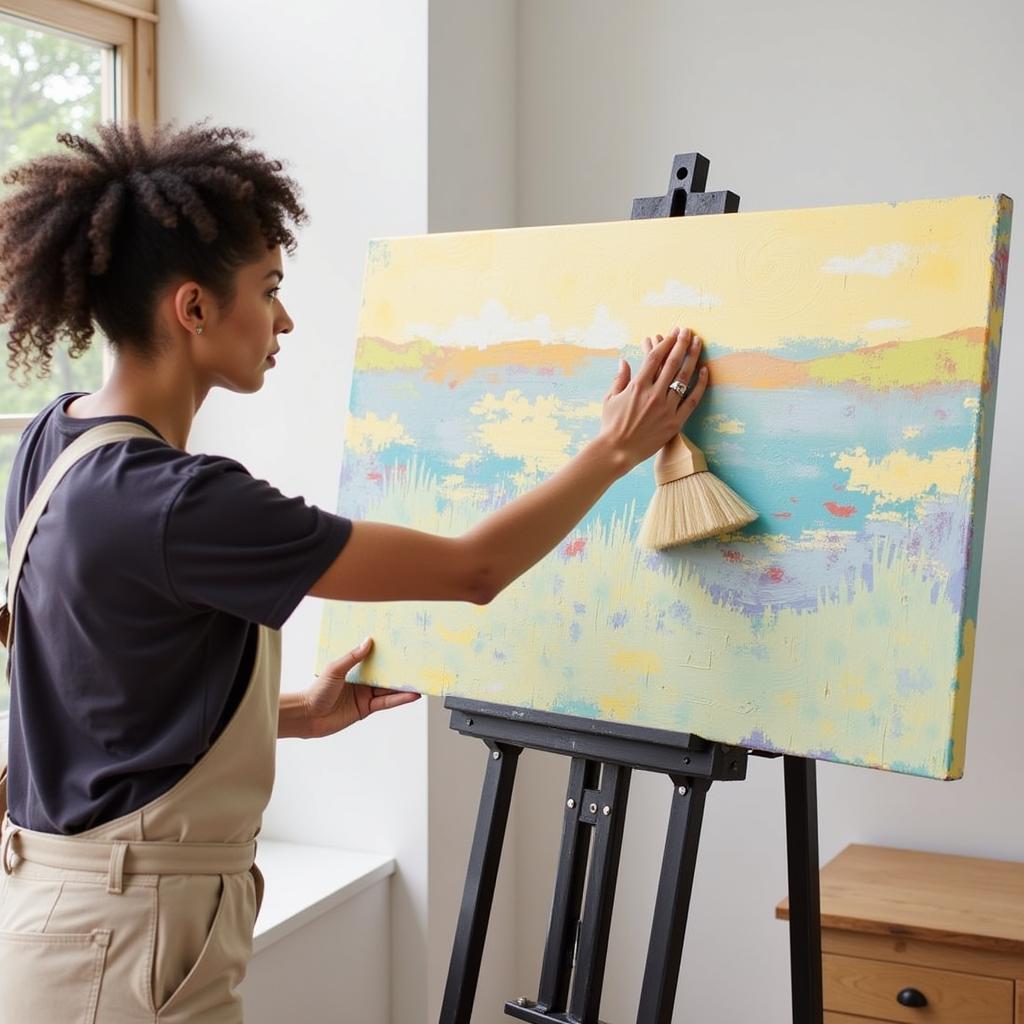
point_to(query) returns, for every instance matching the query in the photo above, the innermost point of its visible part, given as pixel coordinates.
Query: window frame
(129, 28)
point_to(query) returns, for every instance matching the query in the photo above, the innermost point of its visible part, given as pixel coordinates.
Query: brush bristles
(693, 508)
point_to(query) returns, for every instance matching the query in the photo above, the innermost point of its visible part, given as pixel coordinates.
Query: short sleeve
(238, 545)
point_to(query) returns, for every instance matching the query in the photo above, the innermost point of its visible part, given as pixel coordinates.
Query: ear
(189, 306)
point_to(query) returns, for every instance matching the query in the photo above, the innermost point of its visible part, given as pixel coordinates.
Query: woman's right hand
(641, 414)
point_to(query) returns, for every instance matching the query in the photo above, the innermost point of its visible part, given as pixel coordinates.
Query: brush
(691, 503)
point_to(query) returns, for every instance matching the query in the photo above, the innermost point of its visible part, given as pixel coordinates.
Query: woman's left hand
(332, 703)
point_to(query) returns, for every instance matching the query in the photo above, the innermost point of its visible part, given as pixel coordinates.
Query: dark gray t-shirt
(137, 612)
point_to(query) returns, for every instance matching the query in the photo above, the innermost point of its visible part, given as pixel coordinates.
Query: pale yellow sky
(870, 273)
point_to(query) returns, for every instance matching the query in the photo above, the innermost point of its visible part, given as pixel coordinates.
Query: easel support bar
(610, 815)
(556, 971)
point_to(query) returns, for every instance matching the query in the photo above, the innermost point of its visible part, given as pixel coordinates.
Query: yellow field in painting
(517, 650)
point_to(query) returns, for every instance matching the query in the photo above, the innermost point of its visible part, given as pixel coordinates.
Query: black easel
(603, 756)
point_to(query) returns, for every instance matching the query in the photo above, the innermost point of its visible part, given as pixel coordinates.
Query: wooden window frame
(129, 26)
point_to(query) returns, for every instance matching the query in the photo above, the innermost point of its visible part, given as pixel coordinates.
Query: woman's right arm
(381, 562)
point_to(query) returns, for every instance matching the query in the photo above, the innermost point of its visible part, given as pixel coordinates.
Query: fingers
(692, 400)
(621, 379)
(657, 354)
(384, 699)
(679, 363)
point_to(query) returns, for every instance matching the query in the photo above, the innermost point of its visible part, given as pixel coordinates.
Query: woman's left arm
(331, 703)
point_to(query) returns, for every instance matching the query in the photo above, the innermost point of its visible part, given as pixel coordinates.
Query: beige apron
(148, 917)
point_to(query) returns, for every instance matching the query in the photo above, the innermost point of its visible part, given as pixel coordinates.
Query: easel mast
(603, 756)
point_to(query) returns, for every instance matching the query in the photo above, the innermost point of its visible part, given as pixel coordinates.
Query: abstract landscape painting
(853, 355)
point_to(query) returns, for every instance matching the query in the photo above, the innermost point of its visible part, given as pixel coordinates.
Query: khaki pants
(167, 948)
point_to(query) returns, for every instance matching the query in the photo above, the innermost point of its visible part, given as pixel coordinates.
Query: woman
(144, 647)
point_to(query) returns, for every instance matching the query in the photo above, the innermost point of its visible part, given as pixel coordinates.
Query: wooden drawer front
(868, 988)
(845, 1018)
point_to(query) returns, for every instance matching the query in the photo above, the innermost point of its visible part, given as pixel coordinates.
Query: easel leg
(481, 875)
(657, 996)
(804, 892)
(556, 970)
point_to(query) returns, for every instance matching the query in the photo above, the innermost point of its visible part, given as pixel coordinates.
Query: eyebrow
(280, 276)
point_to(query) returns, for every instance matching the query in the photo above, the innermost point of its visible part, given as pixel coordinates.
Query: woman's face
(238, 344)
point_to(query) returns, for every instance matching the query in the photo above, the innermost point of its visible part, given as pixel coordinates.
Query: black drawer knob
(912, 997)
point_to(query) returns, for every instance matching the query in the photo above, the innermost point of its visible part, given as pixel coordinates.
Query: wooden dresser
(909, 936)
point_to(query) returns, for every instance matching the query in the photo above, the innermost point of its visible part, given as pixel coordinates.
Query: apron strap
(94, 438)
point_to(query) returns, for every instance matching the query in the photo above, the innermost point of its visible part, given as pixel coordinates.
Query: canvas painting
(853, 354)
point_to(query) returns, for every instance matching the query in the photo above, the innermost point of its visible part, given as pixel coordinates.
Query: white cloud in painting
(886, 323)
(603, 332)
(675, 293)
(491, 325)
(514, 427)
(495, 324)
(878, 261)
(370, 433)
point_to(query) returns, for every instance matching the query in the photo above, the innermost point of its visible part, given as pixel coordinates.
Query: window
(64, 65)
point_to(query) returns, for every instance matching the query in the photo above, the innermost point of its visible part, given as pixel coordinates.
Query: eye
(273, 292)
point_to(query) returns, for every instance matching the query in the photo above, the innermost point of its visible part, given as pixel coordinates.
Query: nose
(284, 324)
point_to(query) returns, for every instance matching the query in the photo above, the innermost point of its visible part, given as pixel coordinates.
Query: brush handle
(679, 458)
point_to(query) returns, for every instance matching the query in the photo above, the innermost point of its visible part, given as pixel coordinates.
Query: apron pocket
(47, 977)
(220, 965)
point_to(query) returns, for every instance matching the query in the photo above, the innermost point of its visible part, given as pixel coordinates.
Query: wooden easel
(603, 756)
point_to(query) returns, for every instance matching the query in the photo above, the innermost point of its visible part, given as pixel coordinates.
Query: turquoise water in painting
(816, 536)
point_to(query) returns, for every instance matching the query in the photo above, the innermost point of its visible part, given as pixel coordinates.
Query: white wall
(796, 103)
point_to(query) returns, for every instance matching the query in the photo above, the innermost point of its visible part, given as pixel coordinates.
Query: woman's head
(159, 238)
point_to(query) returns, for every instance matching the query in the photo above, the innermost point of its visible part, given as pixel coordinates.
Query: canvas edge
(960, 699)
(995, 199)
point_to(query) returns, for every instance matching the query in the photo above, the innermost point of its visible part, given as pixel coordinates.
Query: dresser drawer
(845, 1018)
(868, 988)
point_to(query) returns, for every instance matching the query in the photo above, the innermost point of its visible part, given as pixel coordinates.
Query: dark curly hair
(95, 234)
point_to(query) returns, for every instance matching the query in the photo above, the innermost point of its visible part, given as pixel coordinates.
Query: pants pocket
(47, 977)
(217, 962)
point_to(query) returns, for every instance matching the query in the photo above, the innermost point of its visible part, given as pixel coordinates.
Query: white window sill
(304, 882)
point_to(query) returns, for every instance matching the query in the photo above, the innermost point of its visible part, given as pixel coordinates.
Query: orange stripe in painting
(756, 370)
(456, 364)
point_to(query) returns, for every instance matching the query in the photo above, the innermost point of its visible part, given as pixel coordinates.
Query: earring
(199, 329)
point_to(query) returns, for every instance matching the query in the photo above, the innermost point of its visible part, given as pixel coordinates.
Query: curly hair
(92, 236)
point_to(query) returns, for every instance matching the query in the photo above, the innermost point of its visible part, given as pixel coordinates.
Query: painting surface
(853, 355)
